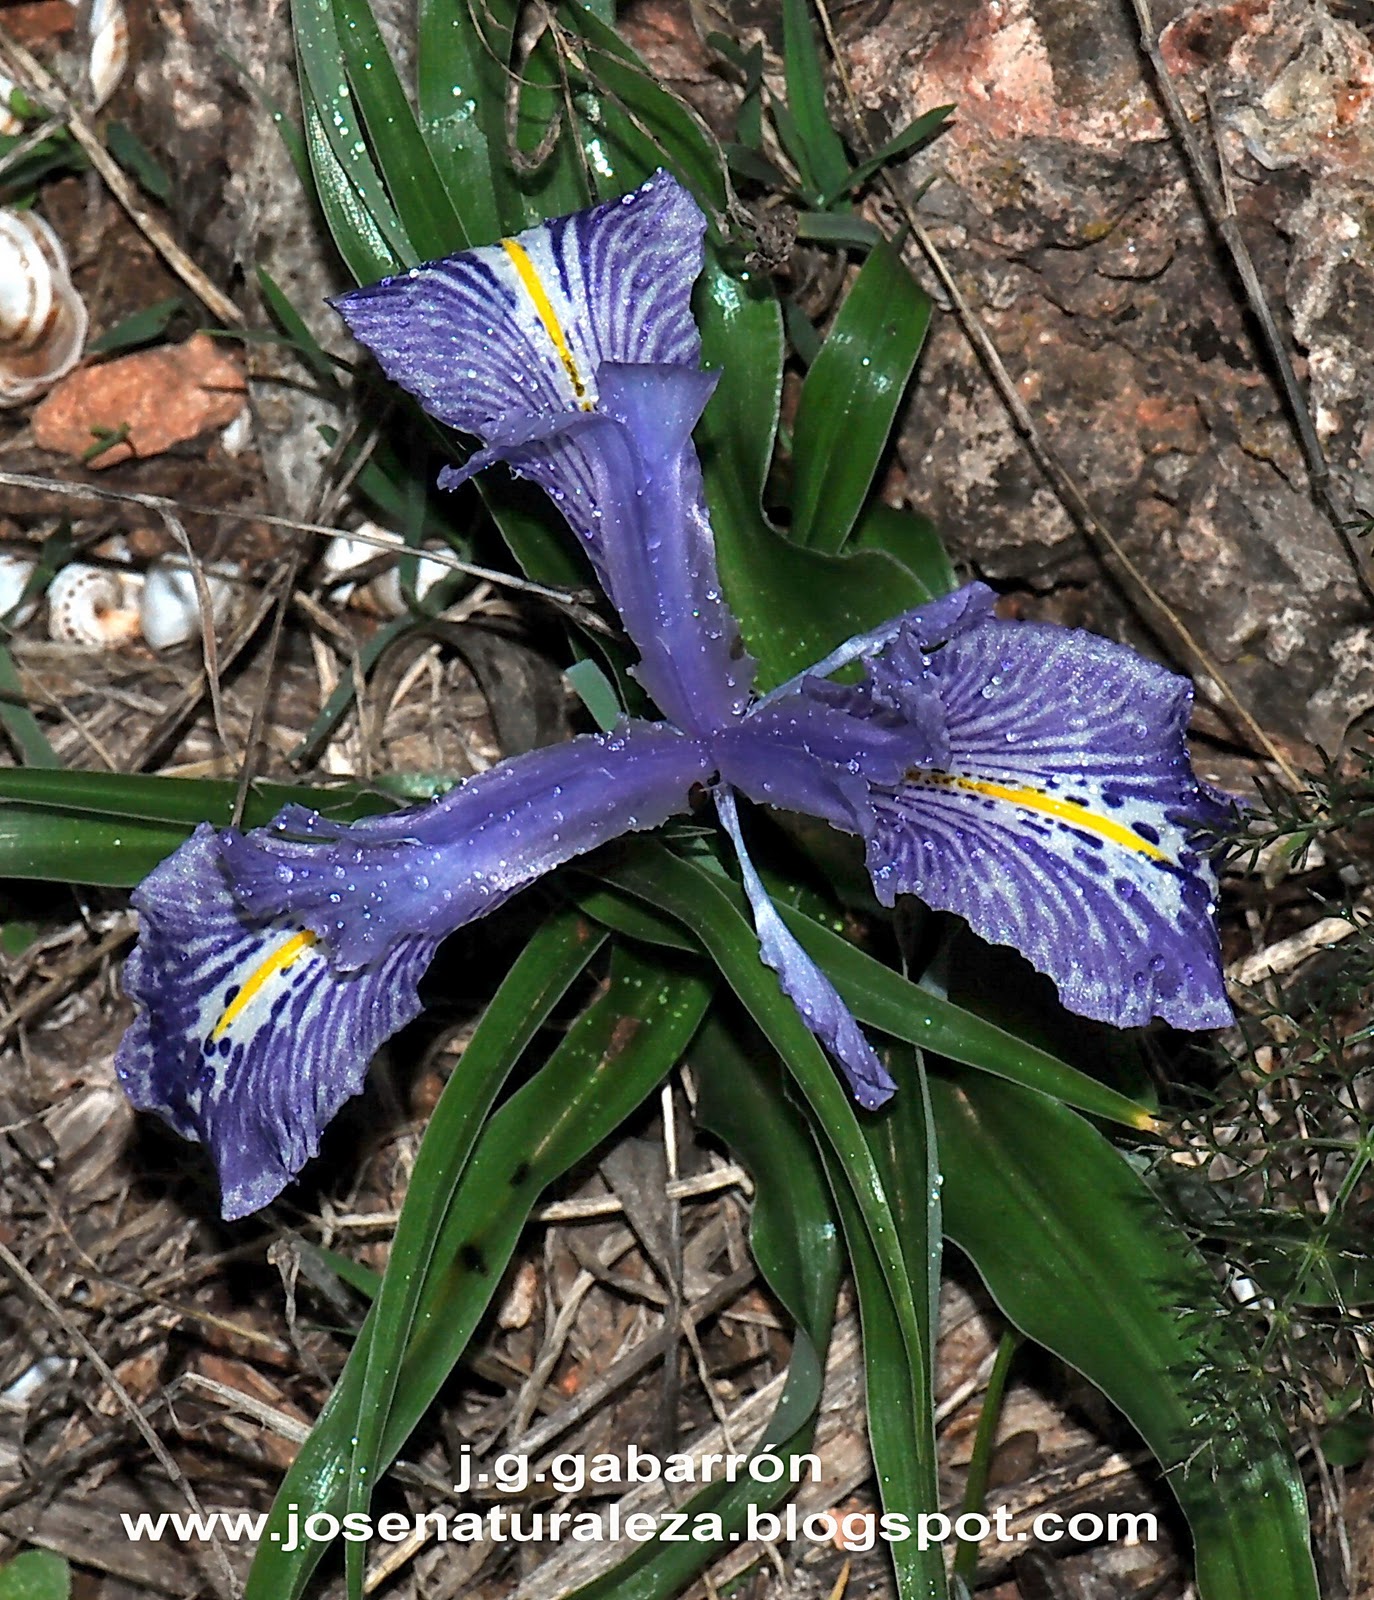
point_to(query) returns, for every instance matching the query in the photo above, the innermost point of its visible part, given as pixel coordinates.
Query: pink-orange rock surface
(153, 399)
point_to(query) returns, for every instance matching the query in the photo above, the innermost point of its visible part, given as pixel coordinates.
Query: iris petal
(822, 748)
(271, 966)
(803, 982)
(1065, 821)
(247, 1039)
(522, 326)
(362, 886)
(571, 352)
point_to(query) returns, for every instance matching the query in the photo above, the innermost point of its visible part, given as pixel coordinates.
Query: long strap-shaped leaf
(1083, 1258)
(405, 161)
(793, 604)
(850, 396)
(545, 968)
(874, 993)
(369, 234)
(900, 1401)
(615, 1054)
(705, 904)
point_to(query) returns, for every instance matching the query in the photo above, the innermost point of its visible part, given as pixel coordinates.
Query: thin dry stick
(281, 605)
(209, 644)
(532, 1390)
(40, 84)
(1221, 214)
(39, 692)
(1063, 482)
(63, 1323)
(631, 1364)
(575, 602)
(57, 986)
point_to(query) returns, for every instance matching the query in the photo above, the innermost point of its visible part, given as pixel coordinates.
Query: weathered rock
(205, 78)
(1064, 206)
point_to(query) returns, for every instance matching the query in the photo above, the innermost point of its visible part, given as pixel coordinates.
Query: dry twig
(37, 82)
(68, 1329)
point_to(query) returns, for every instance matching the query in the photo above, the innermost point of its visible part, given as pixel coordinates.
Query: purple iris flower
(1031, 778)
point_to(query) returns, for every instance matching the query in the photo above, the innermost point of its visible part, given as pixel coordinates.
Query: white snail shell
(42, 318)
(94, 606)
(15, 572)
(10, 125)
(381, 595)
(109, 49)
(169, 609)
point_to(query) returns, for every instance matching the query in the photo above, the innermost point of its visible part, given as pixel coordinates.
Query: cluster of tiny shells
(109, 30)
(42, 318)
(103, 607)
(380, 595)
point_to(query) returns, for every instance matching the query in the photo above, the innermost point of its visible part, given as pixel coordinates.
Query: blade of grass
(638, 125)
(793, 604)
(365, 249)
(915, 133)
(827, 165)
(907, 537)
(64, 847)
(293, 325)
(19, 722)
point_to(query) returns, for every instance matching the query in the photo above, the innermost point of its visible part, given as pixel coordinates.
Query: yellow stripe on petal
(286, 953)
(1031, 799)
(529, 276)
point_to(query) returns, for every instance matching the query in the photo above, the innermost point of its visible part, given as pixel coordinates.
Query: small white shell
(382, 594)
(34, 1377)
(15, 572)
(10, 125)
(169, 611)
(94, 606)
(238, 435)
(42, 318)
(109, 55)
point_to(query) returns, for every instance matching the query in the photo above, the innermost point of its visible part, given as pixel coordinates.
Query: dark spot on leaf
(623, 1036)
